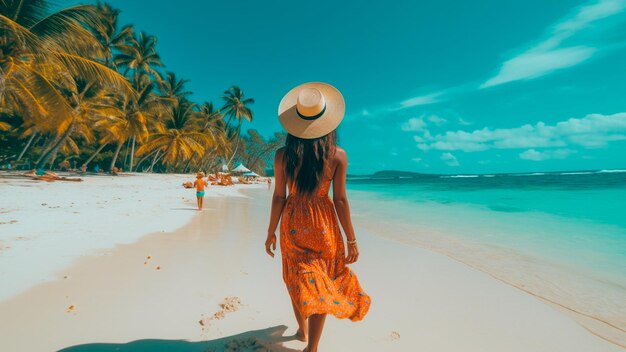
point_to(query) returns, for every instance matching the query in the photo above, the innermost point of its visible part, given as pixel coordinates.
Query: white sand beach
(126, 264)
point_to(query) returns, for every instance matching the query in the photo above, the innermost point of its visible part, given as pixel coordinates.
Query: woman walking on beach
(312, 247)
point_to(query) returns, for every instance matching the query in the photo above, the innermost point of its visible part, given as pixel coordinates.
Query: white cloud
(449, 159)
(534, 155)
(420, 100)
(572, 41)
(414, 124)
(420, 123)
(550, 55)
(437, 120)
(591, 131)
(534, 64)
(464, 122)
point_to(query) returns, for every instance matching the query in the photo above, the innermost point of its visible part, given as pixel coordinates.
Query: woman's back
(326, 178)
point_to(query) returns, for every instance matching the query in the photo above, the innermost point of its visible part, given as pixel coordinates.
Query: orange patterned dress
(314, 269)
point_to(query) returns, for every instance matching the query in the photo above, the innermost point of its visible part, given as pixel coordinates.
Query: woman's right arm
(278, 201)
(341, 205)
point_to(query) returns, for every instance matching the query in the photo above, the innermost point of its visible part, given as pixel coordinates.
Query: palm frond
(90, 70)
(70, 28)
(25, 12)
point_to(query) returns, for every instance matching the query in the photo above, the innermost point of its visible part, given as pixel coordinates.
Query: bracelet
(352, 242)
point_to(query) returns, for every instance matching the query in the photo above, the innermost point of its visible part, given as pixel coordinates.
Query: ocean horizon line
(413, 174)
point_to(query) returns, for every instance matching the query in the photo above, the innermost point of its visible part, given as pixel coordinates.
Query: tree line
(78, 88)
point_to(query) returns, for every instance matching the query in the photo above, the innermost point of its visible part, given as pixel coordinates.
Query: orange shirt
(200, 184)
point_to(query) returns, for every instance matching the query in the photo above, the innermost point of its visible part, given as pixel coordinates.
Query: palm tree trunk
(48, 145)
(117, 152)
(228, 121)
(94, 154)
(125, 163)
(30, 140)
(186, 169)
(132, 154)
(236, 145)
(154, 161)
(53, 158)
(146, 158)
(55, 146)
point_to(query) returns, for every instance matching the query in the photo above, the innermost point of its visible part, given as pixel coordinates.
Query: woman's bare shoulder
(280, 152)
(340, 155)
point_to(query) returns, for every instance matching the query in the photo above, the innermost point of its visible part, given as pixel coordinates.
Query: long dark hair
(307, 159)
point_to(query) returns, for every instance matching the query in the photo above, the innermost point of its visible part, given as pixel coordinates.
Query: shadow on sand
(263, 340)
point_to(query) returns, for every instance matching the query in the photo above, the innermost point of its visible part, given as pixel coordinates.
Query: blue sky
(431, 86)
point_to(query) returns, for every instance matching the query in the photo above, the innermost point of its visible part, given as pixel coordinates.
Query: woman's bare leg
(302, 333)
(316, 325)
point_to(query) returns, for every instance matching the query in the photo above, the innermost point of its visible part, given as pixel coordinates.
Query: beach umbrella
(241, 168)
(250, 174)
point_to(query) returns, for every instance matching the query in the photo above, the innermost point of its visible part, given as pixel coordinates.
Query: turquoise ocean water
(560, 236)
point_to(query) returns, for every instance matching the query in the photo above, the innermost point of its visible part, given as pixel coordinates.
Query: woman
(313, 252)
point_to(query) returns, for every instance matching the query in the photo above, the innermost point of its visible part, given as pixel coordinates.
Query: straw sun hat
(311, 110)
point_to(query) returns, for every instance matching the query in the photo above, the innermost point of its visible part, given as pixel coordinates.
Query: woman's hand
(353, 253)
(270, 244)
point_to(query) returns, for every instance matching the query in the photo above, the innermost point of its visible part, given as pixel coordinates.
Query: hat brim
(321, 126)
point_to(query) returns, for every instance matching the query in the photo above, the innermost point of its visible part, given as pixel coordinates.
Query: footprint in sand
(394, 336)
(229, 304)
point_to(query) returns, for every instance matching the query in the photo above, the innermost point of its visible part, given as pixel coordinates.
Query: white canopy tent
(240, 168)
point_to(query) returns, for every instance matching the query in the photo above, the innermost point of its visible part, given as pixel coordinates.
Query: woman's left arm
(278, 202)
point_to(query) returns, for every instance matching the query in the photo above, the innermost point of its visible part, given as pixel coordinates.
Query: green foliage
(76, 86)
(257, 153)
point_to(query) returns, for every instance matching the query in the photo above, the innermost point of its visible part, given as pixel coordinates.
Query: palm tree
(173, 88)
(139, 55)
(180, 138)
(213, 125)
(139, 114)
(41, 52)
(60, 91)
(89, 102)
(109, 35)
(236, 106)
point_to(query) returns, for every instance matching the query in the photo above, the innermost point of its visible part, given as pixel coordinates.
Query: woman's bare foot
(301, 335)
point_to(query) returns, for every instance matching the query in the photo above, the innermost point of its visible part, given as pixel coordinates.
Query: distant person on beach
(200, 183)
(64, 165)
(49, 176)
(313, 253)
